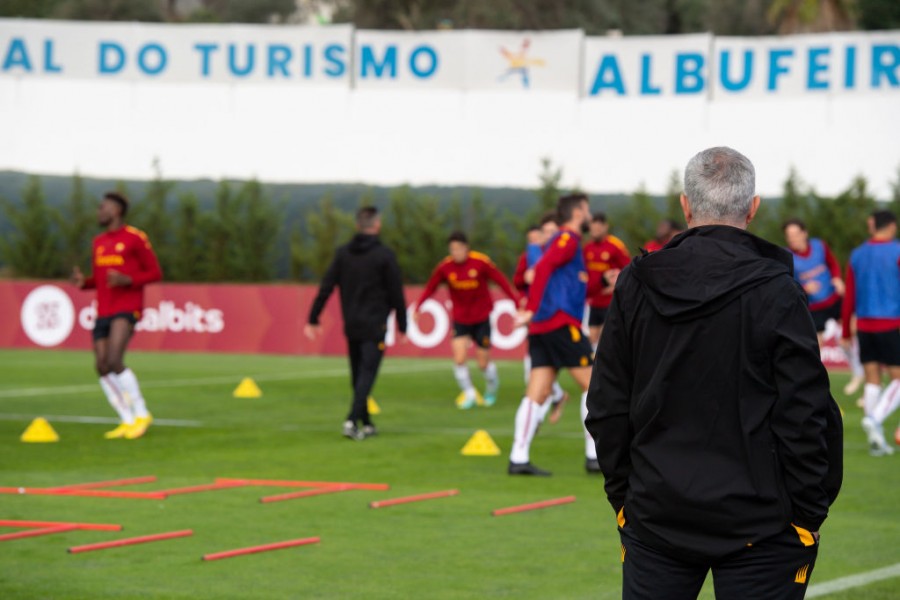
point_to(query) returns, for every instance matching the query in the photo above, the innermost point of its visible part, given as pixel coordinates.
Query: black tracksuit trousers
(365, 358)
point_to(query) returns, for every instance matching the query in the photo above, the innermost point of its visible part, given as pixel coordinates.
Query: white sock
(128, 383)
(116, 398)
(870, 397)
(888, 402)
(492, 381)
(461, 372)
(590, 449)
(526, 424)
(526, 366)
(556, 392)
(853, 358)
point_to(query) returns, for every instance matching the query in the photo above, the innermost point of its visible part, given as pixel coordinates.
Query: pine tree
(32, 248)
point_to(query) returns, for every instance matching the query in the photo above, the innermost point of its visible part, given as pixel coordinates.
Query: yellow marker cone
(374, 409)
(39, 431)
(480, 444)
(247, 388)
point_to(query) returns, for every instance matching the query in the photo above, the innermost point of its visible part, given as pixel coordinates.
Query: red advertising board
(225, 318)
(246, 319)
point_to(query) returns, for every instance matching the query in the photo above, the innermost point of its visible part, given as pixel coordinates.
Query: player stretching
(605, 255)
(873, 294)
(123, 263)
(816, 269)
(536, 240)
(467, 275)
(555, 341)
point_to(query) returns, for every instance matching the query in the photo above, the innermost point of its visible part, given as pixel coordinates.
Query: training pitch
(446, 546)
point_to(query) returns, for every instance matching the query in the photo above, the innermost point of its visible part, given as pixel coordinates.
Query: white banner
(400, 59)
(175, 53)
(646, 67)
(807, 64)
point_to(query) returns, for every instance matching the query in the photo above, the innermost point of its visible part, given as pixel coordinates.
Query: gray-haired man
(715, 428)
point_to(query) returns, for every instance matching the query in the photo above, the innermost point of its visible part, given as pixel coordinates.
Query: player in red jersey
(123, 263)
(604, 256)
(665, 231)
(467, 275)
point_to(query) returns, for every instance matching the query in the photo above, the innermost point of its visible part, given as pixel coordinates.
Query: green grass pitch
(444, 548)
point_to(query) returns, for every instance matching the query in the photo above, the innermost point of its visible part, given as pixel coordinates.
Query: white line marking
(852, 581)
(168, 383)
(109, 420)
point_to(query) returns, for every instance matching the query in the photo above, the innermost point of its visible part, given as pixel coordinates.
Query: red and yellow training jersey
(600, 257)
(128, 251)
(468, 283)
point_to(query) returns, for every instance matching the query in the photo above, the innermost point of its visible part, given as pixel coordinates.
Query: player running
(604, 255)
(123, 263)
(818, 271)
(873, 294)
(467, 275)
(555, 341)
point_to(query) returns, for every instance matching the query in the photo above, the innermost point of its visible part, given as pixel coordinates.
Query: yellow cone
(374, 409)
(480, 444)
(39, 431)
(247, 388)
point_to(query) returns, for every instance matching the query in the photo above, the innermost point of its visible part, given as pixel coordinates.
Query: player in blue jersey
(555, 340)
(873, 295)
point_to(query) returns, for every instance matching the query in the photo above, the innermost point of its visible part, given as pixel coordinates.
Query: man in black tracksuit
(710, 407)
(367, 273)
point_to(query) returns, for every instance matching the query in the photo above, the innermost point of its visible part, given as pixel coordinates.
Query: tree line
(632, 17)
(246, 235)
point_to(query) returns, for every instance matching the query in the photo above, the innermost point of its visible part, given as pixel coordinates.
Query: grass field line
(168, 383)
(852, 581)
(98, 420)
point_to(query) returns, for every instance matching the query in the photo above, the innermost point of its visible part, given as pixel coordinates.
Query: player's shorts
(103, 324)
(881, 347)
(597, 316)
(479, 332)
(562, 348)
(821, 316)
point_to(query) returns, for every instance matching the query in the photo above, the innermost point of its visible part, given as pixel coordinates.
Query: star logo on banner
(520, 64)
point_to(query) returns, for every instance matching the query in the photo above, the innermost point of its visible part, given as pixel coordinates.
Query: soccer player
(665, 231)
(816, 269)
(467, 275)
(371, 287)
(604, 255)
(873, 295)
(555, 341)
(123, 263)
(537, 237)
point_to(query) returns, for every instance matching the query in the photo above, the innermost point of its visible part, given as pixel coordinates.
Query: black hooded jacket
(367, 273)
(709, 404)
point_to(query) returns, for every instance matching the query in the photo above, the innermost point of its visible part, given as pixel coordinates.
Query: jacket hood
(705, 268)
(363, 242)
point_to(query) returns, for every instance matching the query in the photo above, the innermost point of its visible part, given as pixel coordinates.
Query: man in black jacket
(715, 429)
(371, 287)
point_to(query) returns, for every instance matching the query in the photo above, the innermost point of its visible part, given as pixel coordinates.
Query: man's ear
(754, 206)
(686, 209)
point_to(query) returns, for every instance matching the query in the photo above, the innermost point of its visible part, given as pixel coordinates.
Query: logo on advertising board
(47, 316)
(519, 63)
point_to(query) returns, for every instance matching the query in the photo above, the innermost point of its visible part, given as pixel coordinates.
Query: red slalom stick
(84, 526)
(533, 506)
(36, 532)
(407, 499)
(264, 548)
(103, 484)
(305, 493)
(208, 487)
(143, 539)
(112, 494)
(378, 487)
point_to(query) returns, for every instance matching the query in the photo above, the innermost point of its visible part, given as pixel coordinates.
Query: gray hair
(720, 184)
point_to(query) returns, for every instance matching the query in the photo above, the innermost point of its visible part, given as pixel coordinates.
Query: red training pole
(263, 548)
(417, 498)
(85, 526)
(533, 506)
(130, 541)
(305, 493)
(103, 484)
(36, 532)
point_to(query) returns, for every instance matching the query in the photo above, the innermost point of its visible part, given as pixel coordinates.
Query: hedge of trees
(246, 235)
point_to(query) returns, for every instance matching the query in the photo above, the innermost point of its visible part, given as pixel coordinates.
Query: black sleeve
(394, 282)
(329, 281)
(609, 400)
(803, 419)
